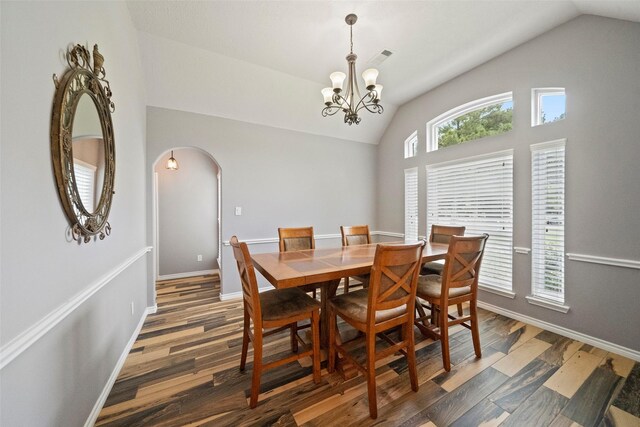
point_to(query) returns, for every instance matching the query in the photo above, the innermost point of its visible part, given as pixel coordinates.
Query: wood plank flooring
(183, 371)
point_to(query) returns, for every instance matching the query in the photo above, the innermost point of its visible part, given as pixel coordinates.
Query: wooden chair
(298, 239)
(441, 234)
(387, 303)
(458, 284)
(276, 310)
(355, 235)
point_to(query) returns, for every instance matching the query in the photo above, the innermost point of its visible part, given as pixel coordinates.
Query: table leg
(327, 291)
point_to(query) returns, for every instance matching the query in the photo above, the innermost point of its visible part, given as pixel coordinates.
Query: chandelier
(350, 102)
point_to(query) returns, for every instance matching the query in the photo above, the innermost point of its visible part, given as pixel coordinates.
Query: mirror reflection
(88, 152)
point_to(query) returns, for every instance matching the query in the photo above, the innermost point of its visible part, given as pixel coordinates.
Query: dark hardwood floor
(183, 371)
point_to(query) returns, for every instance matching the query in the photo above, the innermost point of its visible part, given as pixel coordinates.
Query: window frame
(411, 140)
(540, 189)
(411, 204)
(434, 124)
(536, 103)
(501, 244)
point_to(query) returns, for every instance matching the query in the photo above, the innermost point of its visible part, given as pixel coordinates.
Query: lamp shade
(378, 90)
(337, 79)
(327, 93)
(172, 163)
(370, 75)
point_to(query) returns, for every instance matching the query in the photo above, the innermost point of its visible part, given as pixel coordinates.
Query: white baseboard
(188, 274)
(95, 412)
(569, 333)
(237, 295)
(16, 346)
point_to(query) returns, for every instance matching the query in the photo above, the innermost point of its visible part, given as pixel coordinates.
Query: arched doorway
(186, 214)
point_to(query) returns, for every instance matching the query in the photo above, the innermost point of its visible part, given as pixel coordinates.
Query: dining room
(513, 122)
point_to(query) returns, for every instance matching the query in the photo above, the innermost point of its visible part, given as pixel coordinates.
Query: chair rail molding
(25, 339)
(617, 262)
(317, 237)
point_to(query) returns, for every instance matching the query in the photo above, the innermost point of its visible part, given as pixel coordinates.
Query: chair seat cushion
(354, 306)
(278, 304)
(433, 267)
(431, 286)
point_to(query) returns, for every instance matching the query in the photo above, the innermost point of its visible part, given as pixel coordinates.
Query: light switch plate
(238, 210)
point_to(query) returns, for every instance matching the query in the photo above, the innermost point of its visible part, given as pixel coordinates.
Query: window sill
(547, 304)
(501, 292)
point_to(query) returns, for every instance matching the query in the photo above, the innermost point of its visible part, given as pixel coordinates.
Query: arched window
(488, 116)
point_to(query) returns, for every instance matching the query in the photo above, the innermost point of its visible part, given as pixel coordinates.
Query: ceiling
(431, 41)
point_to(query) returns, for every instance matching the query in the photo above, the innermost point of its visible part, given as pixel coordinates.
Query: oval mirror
(82, 144)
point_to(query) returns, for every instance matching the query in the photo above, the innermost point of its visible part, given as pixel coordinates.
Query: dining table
(325, 267)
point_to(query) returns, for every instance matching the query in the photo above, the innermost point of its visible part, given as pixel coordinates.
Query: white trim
(433, 124)
(521, 250)
(237, 295)
(617, 262)
(569, 333)
(188, 274)
(497, 291)
(317, 237)
(93, 416)
(408, 143)
(16, 346)
(547, 304)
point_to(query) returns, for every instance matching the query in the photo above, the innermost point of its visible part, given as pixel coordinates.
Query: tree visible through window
(477, 119)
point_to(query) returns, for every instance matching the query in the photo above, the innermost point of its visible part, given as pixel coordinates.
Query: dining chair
(355, 235)
(270, 312)
(298, 239)
(386, 304)
(441, 234)
(457, 284)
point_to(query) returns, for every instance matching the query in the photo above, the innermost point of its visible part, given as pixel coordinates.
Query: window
(85, 175)
(548, 105)
(478, 193)
(547, 191)
(474, 120)
(411, 145)
(411, 204)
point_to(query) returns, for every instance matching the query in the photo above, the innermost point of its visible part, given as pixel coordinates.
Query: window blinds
(477, 193)
(547, 191)
(85, 181)
(411, 204)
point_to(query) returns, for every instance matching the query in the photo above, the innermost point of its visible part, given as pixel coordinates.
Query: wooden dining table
(326, 267)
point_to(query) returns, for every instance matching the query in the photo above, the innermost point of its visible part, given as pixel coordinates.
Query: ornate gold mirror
(82, 145)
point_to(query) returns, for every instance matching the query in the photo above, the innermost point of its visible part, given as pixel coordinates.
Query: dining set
(388, 289)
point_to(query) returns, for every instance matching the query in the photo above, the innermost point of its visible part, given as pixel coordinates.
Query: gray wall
(57, 380)
(597, 60)
(280, 178)
(187, 213)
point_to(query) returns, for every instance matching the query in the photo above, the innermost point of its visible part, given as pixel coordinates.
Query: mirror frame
(81, 78)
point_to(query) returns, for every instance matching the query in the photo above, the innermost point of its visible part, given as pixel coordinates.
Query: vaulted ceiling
(260, 48)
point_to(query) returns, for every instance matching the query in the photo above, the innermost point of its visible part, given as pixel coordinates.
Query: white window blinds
(411, 204)
(85, 181)
(547, 190)
(477, 193)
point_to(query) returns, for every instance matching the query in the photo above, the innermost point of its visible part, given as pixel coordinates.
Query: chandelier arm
(330, 110)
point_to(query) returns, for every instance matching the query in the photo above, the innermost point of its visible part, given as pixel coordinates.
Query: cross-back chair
(389, 302)
(457, 284)
(355, 235)
(298, 239)
(275, 310)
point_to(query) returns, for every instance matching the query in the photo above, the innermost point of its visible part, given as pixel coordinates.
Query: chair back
(462, 265)
(443, 233)
(355, 235)
(394, 278)
(248, 281)
(296, 239)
